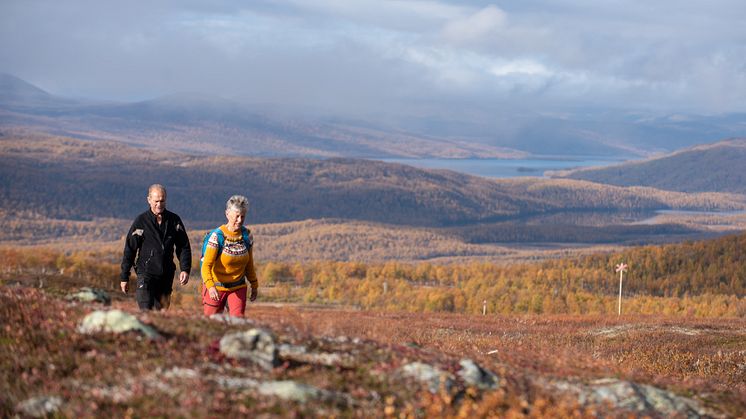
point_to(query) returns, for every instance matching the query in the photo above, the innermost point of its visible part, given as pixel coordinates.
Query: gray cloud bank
(366, 57)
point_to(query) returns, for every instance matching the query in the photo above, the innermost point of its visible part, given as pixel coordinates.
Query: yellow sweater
(235, 262)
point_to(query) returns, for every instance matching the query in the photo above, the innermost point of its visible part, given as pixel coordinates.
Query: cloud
(369, 55)
(475, 27)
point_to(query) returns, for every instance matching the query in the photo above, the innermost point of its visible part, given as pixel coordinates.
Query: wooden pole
(620, 268)
(619, 308)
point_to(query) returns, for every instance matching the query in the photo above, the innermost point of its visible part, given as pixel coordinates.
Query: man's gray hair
(157, 186)
(238, 203)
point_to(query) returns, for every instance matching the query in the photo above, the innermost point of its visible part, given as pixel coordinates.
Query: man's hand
(253, 294)
(213, 293)
(125, 286)
(184, 277)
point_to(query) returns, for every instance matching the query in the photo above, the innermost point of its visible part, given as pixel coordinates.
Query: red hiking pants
(236, 302)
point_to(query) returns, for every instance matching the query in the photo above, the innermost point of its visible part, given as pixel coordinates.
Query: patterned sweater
(235, 262)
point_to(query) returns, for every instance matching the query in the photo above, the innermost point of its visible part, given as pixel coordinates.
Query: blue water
(507, 168)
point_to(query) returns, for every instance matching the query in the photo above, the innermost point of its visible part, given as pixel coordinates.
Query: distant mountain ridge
(20, 96)
(202, 124)
(17, 90)
(717, 167)
(198, 123)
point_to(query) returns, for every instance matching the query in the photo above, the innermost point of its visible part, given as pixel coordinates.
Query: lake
(507, 168)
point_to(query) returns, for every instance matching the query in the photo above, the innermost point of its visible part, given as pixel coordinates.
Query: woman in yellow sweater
(228, 263)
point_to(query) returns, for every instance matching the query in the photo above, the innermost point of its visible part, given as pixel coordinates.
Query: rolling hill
(75, 179)
(56, 189)
(717, 167)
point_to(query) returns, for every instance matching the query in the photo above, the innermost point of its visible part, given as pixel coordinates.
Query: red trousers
(236, 302)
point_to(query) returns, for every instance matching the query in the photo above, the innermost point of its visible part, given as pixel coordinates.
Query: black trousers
(154, 292)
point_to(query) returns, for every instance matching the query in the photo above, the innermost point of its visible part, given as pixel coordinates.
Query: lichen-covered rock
(640, 398)
(255, 345)
(90, 295)
(301, 354)
(434, 378)
(289, 390)
(476, 376)
(180, 373)
(115, 321)
(39, 407)
(232, 320)
(286, 390)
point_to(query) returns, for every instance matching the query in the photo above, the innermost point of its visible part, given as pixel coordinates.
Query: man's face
(157, 201)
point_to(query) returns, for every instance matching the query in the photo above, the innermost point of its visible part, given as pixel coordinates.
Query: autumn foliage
(699, 279)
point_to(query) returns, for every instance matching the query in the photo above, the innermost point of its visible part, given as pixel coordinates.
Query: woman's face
(235, 219)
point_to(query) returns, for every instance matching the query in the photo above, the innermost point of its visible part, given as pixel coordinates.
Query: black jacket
(154, 246)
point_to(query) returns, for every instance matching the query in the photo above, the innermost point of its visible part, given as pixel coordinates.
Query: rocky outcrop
(640, 398)
(256, 345)
(436, 380)
(115, 321)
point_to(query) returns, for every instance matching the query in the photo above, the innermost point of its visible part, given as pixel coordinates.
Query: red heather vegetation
(129, 376)
(549, 326)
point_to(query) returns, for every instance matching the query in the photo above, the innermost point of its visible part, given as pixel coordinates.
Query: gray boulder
(256, 345)
(640, 398)
(40, 407)
(432, 377)
(115, 321)
(286, 390)
(478, 377)
(90, 295)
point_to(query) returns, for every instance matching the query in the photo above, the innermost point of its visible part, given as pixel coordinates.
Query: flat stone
(302, 355)
(232, 320)
(39, 407)
(285, 389)
(90, 295)
(115, 321)
(289, 390)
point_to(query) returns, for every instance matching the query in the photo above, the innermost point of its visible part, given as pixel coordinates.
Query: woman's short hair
(237, 202)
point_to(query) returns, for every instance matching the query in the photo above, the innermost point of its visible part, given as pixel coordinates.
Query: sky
(417, 57)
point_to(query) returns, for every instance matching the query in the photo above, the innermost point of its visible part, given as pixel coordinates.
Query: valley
(395, 267)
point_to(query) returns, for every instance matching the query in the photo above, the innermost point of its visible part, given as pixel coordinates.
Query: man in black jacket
(152, 239)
